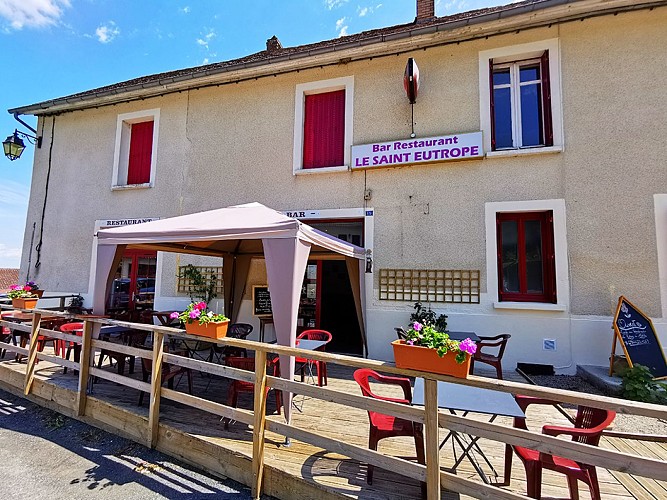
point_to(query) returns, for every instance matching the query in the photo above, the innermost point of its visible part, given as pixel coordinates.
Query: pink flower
(200, 306)
(15, 287)
(195, 314)
(468, 346)
(417, 326)
(173, 315)
(410, 342)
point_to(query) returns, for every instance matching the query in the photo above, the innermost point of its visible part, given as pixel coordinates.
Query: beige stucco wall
(233, 144)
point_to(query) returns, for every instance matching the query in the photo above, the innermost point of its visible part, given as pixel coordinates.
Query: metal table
(467, 399)
(464, 335)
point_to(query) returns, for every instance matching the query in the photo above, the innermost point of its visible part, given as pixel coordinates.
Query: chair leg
(534, 480)
(189, 374)
(279, 400)
(593, 484)
(372, 445)
(573, 487)
(499, 371)
(509, 452)
(472, 365)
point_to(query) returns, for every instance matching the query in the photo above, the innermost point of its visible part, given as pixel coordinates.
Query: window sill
(131, 186)
(506, 153)
(321, 170)
(529, 306)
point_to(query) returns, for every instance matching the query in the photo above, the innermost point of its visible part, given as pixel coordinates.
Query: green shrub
(638, 385)
(426, 316)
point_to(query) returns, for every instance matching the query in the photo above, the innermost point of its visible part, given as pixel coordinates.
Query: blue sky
(53, 48)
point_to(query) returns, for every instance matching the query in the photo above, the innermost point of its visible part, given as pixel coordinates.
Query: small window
(526, 264)
(136, 150)
(520, 101)
(323, 125)
(521, 104)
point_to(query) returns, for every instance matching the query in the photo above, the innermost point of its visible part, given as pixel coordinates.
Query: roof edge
(500, 21)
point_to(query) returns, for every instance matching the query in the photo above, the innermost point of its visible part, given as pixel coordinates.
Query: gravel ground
(622, 423)
(46, 455)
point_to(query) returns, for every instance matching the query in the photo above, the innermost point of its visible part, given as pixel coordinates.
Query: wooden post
(259, 424)
(432, 439)
(613, 353)
(156, 385)
(32, 353)
(84, 365)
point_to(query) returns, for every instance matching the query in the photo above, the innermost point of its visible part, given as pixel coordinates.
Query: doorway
(335, 307)
(133, 286)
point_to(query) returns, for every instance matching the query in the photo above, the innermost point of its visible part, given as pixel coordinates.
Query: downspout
(38, 261)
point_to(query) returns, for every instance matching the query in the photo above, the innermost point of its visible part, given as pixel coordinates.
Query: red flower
(200, 306)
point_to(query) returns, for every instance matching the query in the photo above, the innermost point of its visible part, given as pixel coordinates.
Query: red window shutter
(546, 100)
(492, 107)
(324, 130)
(141, 147)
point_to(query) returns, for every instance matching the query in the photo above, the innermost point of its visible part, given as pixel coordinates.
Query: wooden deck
(336, 474)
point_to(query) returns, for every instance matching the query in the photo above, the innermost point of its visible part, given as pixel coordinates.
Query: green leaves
(638, 385)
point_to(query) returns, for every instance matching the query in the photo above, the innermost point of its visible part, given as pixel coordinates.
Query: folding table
(469, 399)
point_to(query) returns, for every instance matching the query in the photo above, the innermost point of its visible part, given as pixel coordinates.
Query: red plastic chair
(588, 426)
(238, 386)
(67, 347)
(321, 366)
(495, 360)
(384, 426)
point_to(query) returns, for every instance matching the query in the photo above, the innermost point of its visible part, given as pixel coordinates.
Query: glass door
(133, 287)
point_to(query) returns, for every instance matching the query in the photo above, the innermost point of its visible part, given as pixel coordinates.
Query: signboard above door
(424, 150)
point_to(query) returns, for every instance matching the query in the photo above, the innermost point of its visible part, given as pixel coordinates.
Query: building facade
(534, 190)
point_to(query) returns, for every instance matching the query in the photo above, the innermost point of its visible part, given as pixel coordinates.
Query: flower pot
(38, 292)
(26, 303)
(427, 360)
(211, 330)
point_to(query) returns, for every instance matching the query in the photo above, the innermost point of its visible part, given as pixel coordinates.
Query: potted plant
(22, 297)
(199, 320)
(427, 349)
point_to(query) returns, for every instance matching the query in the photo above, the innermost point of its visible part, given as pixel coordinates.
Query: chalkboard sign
(638, 338)
(261, 301)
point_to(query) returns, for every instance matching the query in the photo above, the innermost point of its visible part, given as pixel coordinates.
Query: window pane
(502, 117)
(531, 115)
(529, 73)
(509, 256)
(501, 76)
(533, 237)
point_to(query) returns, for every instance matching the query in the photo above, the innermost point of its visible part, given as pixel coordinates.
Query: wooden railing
(429, 415)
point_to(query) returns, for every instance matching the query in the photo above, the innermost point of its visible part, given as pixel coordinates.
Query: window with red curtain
(141, 147)
(526, 264)
(324, 130)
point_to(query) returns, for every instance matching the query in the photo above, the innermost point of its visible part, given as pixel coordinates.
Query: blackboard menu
(639, 339)
(261, 301)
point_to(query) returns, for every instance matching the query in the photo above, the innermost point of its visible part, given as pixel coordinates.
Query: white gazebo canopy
(238, 234)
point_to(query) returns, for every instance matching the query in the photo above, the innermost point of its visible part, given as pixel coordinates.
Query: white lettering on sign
(427, 150)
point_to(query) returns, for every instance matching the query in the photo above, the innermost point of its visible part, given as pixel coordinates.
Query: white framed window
(135, 153)
(323, 117)
(495, 214)
(520, 99)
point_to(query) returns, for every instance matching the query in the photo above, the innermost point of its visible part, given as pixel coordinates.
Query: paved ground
(46, 455)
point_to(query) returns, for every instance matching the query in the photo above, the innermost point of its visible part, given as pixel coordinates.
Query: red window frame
(548, 257)
(141, 152)
(324, 129)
